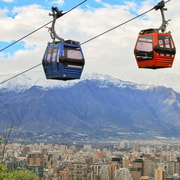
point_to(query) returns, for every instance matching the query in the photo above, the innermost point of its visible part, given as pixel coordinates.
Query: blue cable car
(63, 60)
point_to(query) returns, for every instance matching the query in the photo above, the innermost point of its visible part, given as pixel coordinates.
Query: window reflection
(145, 44)
(73, 53)
(144, 48)
(49, 52)
(54, 54)
(165, 42)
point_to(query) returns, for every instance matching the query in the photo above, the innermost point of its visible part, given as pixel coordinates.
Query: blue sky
(111, 54)
(61, 3)
(9, 5)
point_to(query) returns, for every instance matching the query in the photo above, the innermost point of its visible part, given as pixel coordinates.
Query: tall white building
(122, 174)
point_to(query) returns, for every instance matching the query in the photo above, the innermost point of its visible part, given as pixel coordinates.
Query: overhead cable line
(105, 32)
(20, 73)
(155, 7)
(39, 28)
(95, 37)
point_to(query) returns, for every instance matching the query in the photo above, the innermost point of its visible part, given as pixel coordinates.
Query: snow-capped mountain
(37, 78)
(97, 106)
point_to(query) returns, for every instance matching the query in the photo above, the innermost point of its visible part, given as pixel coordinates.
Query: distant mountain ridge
(96, 107)
(37, 78)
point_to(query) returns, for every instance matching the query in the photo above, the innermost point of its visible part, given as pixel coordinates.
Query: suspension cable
(39, 28)
(20, 73)
(95, 37)
(105, 32)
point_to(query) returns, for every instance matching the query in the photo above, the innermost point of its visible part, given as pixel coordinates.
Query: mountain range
(96, 107)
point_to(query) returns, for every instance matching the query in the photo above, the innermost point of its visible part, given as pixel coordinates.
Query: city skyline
(120, 160)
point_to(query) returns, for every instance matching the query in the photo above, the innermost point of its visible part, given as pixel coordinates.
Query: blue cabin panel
(63, 61)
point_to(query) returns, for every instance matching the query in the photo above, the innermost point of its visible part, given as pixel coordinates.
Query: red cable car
(155, 49)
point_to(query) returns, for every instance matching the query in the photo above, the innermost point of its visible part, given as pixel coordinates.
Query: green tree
(22, 175)
(1, 139)
(16, 175)
(3, 172)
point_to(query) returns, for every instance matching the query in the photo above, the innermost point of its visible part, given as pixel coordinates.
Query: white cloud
(3, 12)
(102, 3)
(98, 1)
(111, 53)
(8, 1)
(59, 2)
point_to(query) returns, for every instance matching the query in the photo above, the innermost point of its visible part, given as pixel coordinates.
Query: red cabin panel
(154, 50)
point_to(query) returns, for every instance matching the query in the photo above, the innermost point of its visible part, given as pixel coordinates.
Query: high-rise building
(35, 159)
(137, 169)
(113, 168)
(136, 146)
(77, 170)
(148, 168)
(159, 174)
(122, 174)
(123, 145)
(177, 168)
(170, 170)
(173, 167)
(25, 150)
(36, 163)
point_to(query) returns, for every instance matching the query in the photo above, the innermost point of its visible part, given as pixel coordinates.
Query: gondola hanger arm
(161, 6)
(56, 13)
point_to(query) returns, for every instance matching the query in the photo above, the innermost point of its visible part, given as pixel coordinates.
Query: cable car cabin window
(144, 48)
(166, 46)
(54, 54)
(49, 53)
(73, 53)
(165, 41)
